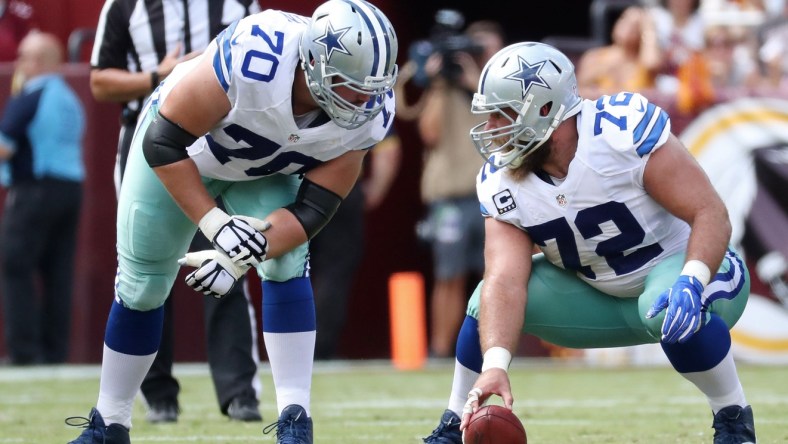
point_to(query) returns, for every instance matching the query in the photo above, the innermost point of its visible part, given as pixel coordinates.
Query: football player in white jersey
(276, 117)
(601, 231)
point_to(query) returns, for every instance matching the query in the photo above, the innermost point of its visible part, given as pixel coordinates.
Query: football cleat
(448, 431)
(734, 425)
(292, 427)
(96, 432)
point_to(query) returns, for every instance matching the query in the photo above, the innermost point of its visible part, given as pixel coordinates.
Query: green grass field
(558, 402)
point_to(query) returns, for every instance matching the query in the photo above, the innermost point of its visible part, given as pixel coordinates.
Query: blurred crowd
(692, 53)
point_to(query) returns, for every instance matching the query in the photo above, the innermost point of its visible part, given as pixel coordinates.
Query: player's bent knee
(144, 293)
(653, 326)
(288, 266)
(473, 304)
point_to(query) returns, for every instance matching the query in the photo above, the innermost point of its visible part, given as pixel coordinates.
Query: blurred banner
(743, 146)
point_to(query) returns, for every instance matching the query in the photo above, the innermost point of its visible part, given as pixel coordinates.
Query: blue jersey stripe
(483, 210)
(375, 43)
(654, 135)
(640, 129)
(223, 59)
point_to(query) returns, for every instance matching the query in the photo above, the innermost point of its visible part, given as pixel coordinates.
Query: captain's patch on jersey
(504, 201)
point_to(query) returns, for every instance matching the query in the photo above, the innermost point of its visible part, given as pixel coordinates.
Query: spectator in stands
(455, 227)
(41, 133)
(132, 53)
(16, 20)
(679, 29)
(773, 52)
(729, 57)
(336, 252)
(629, 63)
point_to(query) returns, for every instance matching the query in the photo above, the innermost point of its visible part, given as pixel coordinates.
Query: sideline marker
(407, 314)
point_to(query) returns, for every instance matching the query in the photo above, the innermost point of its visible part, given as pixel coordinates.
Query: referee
(138, 43)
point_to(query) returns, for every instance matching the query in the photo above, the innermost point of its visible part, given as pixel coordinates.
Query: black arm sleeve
(165, 142)
(314, 206)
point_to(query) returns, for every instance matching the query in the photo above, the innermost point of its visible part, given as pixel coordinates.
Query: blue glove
(683, 317)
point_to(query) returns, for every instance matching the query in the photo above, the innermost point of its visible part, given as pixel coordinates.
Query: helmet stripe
(365, 11)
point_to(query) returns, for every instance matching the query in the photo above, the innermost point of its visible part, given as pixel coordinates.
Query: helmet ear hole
(545, 109)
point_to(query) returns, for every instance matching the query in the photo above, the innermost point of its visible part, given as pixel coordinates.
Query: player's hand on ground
(239, 237)
(494, 381)
(683, 316)
(215, 275)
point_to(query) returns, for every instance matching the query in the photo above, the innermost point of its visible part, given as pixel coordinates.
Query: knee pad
(143, 292)
(288, 266)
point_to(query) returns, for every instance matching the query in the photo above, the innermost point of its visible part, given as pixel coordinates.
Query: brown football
(494, 424)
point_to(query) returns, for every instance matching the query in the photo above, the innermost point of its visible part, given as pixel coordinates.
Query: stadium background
(391, 244)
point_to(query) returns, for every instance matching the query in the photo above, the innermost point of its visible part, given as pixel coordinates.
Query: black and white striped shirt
(135, 35)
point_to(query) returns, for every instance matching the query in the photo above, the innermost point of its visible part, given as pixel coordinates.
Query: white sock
(461, 385)
(291, 356)
(720, 384)
(121, 378)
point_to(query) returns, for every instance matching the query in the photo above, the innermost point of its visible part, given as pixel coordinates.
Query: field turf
(369, 402)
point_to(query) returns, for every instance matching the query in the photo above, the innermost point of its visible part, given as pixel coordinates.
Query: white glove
(239, 237)
(216, 274)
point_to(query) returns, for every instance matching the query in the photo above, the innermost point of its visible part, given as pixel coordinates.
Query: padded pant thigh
(259, 198)
(153, 233)
(564, 310)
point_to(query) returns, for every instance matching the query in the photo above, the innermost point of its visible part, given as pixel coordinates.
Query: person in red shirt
(16, 20)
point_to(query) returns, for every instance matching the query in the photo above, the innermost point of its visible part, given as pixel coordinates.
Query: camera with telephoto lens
(447, 39)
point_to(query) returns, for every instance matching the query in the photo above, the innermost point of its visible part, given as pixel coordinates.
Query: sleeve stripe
(223, 59)
(483, 210)
(656, 133)
(643, 124)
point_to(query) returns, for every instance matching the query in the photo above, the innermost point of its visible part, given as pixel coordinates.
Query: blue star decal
(332, 40)
(528, 75)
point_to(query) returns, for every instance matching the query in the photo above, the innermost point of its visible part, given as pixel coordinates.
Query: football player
(633, 239)
(276, 117)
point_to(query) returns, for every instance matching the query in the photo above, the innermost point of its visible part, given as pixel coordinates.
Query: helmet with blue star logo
(537, 82)
(349, 43)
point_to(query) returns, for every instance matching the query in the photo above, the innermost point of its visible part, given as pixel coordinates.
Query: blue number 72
(615, 100)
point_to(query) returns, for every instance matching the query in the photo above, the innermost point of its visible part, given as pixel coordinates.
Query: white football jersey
(599, 221)
(255, 61)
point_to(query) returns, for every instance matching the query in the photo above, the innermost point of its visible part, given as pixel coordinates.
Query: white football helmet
(349, 43)
(535, 80)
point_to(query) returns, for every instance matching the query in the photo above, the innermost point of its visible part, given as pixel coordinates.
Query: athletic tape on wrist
(497, 357)
(698, 270)
(212, 222)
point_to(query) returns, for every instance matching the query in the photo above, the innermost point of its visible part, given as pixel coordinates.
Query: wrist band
(698, 270)
(154, 79)
(497, 357)
(212, 222)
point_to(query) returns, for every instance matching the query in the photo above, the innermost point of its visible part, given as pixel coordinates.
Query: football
(494, 424)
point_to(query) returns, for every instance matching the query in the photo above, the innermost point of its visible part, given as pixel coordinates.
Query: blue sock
(469, 350)
(704, 350)
(288, 307)
(134, 332)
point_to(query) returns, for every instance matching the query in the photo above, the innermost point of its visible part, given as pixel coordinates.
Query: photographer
(454, 226)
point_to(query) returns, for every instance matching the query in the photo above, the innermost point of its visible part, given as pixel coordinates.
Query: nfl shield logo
(561, 199)
(293, 138)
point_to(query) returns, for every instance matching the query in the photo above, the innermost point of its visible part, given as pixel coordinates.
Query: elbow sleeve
(314, 206)
(165, 142)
